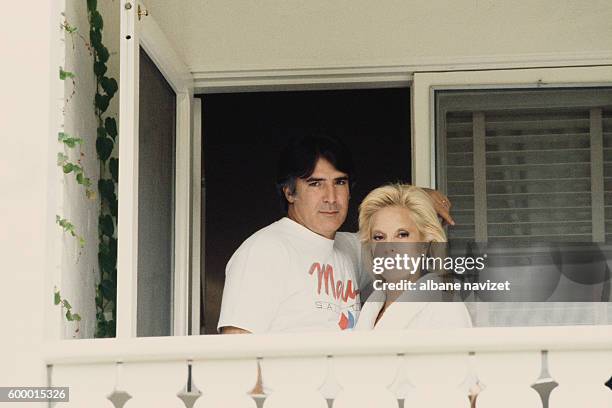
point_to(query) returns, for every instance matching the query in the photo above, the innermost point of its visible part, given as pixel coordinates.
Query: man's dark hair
(299, 158)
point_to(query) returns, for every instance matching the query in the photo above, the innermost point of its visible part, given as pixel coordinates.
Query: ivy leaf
(111, 127)
(95, 37)
(101, 330)
(107, 257)
(102, 102)
(103, 53)
(107, 189)
(66, 304)
(81, 179)
(112, 244)
(81, 242)
(99, 68)
(68, 167)
(57, 298)
(61, 159)
(76, 316)
(105, 260)
(92, 5)
(109, 85)
(73, 141)
(114, 206)
(69, 29)
(113, 166)
(68, 140)
(65, 224)
(96, 21)
(98, 301)
(107, 226)
(104, 147)
(65, 74)
(108, 289)
(68, 315)
(111, 328)
(101, 132)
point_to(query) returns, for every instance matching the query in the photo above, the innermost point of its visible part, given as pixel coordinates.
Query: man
(299, 273)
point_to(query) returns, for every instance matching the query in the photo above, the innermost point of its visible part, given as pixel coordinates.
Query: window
(525, 167)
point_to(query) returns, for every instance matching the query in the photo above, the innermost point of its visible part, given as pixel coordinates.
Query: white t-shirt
(286, 278)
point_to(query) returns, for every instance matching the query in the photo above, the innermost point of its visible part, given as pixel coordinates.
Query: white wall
(31, 188)
(78, 267)
(24, 130)
(220, 35)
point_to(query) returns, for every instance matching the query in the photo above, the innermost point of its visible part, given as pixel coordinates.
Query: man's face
(320, 202)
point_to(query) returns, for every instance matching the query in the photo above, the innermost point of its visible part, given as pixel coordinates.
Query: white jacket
(404, 314)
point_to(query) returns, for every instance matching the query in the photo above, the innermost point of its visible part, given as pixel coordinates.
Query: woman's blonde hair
(406, 196)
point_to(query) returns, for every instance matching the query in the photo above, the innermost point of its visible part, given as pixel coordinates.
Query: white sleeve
(255, 279)
(363, 278)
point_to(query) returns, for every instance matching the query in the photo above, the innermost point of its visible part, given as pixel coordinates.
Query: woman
(399, 220)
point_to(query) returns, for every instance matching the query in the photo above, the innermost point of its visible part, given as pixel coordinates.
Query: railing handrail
(497, 339)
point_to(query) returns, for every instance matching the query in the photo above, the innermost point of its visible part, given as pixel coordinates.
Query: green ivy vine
(69, 142)
(68, 227)
(106, 138)
(70, 316)
(106, 88)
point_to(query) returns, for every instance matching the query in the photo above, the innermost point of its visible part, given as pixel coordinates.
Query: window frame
(145, 33)
(426, 84)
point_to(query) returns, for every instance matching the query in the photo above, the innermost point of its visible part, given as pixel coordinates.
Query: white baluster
(294, 381)
(365, 381)
(119, 397)
(401, 386)
(507, 378)
(89, 384)
(581, 376)
(225, 383)
(331, 387)
(153, 384)
(437, 380)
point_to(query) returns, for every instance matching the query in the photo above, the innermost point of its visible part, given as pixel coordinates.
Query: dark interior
(243, 134)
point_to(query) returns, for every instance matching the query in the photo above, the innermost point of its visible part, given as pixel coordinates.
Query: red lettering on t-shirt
(325, 273)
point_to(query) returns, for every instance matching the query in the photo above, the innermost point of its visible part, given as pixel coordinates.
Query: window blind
(518, 173)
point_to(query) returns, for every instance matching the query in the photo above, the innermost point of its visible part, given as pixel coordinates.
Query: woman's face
(394, 233)
(394, 224)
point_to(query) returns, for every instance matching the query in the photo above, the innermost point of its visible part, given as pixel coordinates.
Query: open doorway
(242, 135)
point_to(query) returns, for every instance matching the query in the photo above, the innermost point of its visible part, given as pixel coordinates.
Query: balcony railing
(553, 367)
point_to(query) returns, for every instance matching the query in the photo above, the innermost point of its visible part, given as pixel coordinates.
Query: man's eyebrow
(311, 179)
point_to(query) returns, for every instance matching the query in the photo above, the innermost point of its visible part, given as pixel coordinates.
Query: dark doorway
(242, 136)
